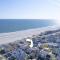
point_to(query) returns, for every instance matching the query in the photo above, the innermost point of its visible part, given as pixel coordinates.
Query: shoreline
(18, 35)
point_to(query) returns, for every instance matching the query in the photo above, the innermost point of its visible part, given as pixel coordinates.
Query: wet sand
(18, 35)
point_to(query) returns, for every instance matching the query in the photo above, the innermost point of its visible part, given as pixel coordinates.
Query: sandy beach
(18, 35)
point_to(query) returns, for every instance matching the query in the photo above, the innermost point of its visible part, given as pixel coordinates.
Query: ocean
(12, 25)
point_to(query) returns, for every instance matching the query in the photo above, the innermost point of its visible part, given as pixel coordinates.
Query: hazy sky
(28, 9)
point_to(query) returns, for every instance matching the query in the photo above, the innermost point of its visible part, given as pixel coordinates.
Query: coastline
(18, 35)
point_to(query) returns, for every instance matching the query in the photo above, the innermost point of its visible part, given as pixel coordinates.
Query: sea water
(12, 25)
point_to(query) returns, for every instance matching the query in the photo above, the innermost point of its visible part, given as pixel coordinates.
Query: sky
(30, 9)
